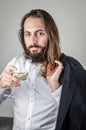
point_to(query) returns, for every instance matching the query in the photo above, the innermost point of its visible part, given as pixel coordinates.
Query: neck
(40, 63)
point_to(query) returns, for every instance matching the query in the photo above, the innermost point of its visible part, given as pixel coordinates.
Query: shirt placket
(31, 101)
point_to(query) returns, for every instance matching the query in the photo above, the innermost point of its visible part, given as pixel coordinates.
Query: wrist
(55, 86)
(1, 83)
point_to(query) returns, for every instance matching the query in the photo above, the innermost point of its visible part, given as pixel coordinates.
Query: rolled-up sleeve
(57, 94)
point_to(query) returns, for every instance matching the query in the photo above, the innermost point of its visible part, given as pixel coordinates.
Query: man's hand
(52, 76)
(7, 78)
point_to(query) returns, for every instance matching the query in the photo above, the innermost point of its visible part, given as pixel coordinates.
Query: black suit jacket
(72, 109)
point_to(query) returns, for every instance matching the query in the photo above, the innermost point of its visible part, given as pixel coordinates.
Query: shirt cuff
(57, 94)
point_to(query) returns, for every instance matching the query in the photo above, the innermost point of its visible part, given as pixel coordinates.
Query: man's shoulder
(74, 63)
(77, 69)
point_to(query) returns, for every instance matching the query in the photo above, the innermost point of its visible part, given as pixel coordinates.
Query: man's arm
(53, 78)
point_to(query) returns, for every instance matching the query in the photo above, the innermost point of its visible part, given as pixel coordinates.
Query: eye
(27, 34)
(40, 33)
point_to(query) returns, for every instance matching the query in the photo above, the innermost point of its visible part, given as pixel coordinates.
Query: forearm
(54, 86)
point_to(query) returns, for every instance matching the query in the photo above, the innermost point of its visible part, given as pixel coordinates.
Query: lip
(33, 48)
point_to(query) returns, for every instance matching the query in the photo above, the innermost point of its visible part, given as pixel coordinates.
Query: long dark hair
(54, 51)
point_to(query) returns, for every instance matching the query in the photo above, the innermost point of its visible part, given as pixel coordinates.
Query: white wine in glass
(21, 76)
(23, 67)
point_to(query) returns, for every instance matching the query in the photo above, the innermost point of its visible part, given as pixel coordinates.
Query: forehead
(33, 22)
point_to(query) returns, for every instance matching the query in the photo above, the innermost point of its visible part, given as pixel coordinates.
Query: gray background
(70, 17)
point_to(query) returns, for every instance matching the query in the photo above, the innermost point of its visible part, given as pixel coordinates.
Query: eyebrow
(35, 31)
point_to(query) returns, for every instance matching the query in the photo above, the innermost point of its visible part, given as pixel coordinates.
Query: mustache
(37, 46)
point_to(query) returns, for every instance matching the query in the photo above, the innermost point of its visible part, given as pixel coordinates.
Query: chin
(37, 55)
(35, 52)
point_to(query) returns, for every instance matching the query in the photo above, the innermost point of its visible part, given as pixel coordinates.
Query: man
(53, 97)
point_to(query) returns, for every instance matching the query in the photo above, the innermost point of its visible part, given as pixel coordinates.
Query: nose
(34, 39)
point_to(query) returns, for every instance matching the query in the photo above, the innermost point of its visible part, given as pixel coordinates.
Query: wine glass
(22, 63)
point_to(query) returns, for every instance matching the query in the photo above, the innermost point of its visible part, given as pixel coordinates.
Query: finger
(59, 68)
(11, 68)
(13, 79)
(8, 73)
(10, 80)
(10, 83)
(6, 77)
(59, 65)
(50, 70)
(15, 84)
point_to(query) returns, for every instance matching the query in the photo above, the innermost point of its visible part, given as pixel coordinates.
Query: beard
(37, 56)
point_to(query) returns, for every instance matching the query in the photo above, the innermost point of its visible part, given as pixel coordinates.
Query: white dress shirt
(35, 106)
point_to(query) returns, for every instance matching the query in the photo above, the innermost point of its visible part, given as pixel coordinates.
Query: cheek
(26, 42)
(43, 42)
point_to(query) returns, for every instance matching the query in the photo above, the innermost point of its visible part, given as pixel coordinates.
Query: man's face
(35, 37)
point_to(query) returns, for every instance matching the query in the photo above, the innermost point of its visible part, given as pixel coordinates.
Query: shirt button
(29, 118)
(32, 101)
(32, 84)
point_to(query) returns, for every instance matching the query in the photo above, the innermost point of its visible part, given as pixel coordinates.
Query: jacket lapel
(66, 96)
